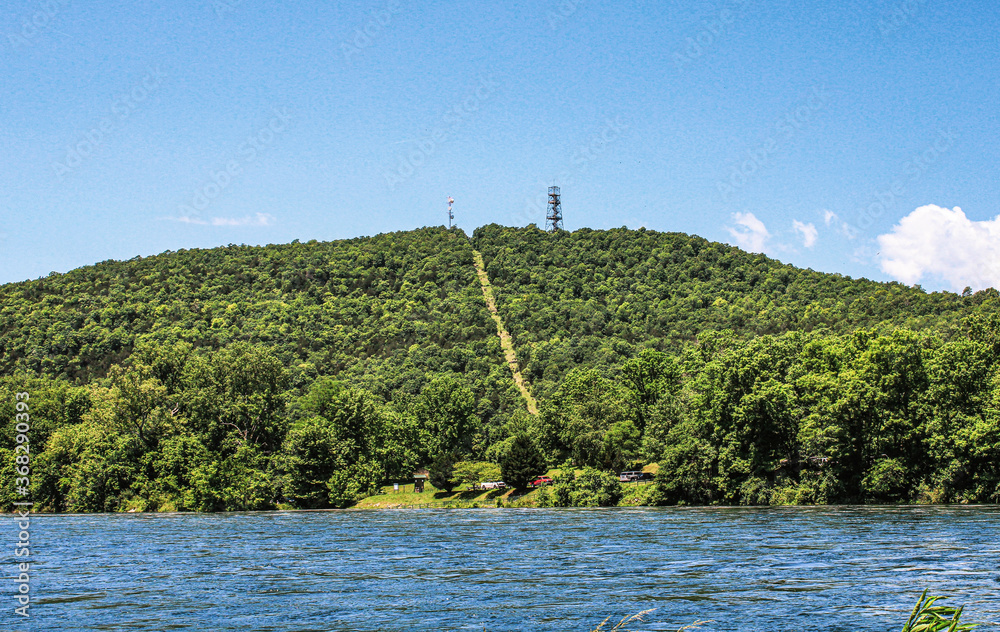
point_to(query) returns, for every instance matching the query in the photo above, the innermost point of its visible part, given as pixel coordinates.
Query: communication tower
(451, 216)
(553, 218)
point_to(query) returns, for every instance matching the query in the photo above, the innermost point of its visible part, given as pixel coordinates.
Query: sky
(850, 137)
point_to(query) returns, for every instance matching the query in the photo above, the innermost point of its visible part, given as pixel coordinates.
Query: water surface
(507, 569)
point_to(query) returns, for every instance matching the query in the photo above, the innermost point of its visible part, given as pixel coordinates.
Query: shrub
(594, 488)
(886, 481)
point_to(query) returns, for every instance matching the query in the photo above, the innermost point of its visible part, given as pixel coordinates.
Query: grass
(926, 617)
(633, 495)
(625, 621)
(433, 498)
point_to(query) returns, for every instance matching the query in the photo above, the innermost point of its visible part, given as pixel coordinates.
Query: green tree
(236, 397)
(471, 473)
(312, 453)
(174, 481)
(244, 480)
(358, 480)
(575, 420)
(442, 471)
(85, 468)
(621, 445)
(342, 450)
(649, 376)
(521, 461)
(445, 410)
(138, 404)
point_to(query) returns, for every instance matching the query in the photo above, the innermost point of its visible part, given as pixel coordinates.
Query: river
(802, 568)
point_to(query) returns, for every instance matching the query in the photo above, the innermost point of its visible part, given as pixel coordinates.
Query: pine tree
(521, 462)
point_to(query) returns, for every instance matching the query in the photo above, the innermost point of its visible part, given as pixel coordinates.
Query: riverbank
(633, 495)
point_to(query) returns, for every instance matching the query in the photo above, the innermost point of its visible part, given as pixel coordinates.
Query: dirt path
(505, 341)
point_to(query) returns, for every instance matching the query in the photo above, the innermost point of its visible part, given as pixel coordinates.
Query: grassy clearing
(505, 340)
(634, 495)
(433, 498)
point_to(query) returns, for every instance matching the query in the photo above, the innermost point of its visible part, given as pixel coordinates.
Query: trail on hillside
(505, 341)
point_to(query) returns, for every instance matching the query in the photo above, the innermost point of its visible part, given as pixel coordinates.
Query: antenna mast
(451, 216)
(553, 219)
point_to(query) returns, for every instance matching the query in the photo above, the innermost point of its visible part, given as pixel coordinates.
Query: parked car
(493, 485)
(628, 477)
(541, 480)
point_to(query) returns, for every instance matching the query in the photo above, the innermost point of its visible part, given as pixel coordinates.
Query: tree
(445, 410)
(471, 473)
(621, 445)
(649, 376)
(442, 471)
(175, 466)
(249, 382)
(521, 462)
(312, 453)
(575, 419)
(86, 468)
(338, 453)
(360, 479)
(138, 404)
(236, 397)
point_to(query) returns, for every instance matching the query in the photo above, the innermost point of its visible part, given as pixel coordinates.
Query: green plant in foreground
(926, 617)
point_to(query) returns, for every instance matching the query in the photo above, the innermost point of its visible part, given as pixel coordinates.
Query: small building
(419, 477)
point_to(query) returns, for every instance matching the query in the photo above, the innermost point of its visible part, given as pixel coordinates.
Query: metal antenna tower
(451, 216)
(553, 218)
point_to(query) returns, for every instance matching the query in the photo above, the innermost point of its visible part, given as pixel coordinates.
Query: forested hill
(307, 374)
(592, 296)
(178, 380)
(335, 307)
(356, 307)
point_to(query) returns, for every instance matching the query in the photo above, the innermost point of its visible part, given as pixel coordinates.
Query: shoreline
(441, 506)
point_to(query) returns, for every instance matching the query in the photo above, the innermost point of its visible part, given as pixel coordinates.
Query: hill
(597, 296)
(202, 345)
(338, 307)
(307, 375)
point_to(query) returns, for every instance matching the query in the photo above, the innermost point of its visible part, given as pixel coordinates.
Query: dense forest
(309, 374)
(592, 297)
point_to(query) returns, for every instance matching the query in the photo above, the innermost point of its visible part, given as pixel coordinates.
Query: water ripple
(748, 569)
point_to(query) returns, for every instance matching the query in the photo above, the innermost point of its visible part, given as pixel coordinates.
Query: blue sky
(842, 137)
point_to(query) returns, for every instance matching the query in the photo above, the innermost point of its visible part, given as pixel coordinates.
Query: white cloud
(832, 219)
(188, 220)
(260, 219)
(751, 235)
(944, 243)
(808, 232)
